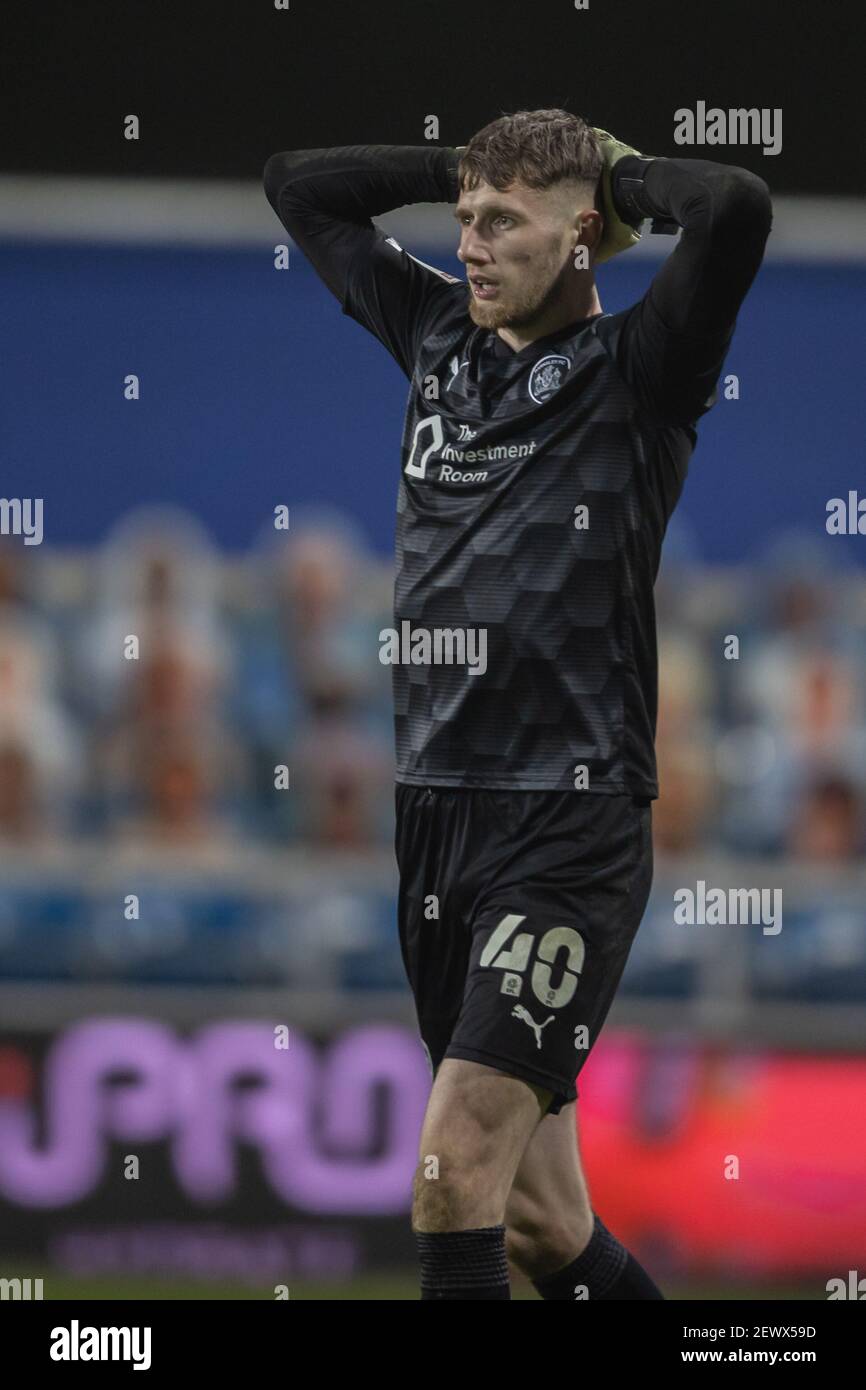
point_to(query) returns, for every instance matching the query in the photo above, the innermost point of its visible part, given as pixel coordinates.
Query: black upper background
(219, 86)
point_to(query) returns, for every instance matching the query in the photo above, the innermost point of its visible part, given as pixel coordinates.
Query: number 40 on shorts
(513, 958)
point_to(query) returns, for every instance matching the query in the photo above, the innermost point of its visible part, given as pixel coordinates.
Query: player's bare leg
(548, 1216)
(477, 1126)
(496, 1175)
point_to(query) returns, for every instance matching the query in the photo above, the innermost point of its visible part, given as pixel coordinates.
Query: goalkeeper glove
(617, 234)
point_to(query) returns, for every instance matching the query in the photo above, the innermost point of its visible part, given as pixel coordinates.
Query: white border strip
(138, 211)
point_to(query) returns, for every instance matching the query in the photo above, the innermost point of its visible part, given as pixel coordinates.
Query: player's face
(518, 249)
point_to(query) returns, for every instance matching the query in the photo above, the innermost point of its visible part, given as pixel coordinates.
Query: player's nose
(473, 254)
(472, 251)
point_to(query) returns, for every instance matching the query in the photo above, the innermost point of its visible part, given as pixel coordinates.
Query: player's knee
(463, 1186)
(455, 1196)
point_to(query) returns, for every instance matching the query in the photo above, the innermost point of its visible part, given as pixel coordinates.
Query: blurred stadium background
(163, 906)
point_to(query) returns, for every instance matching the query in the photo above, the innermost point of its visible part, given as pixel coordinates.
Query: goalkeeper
(545, 446)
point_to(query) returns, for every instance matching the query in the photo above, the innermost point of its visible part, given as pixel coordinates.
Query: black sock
(463, 1264)
(605, 1270)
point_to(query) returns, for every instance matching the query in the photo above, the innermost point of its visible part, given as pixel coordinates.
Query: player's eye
(503, 220)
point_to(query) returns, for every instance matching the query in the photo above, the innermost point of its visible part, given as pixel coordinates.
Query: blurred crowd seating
(247, 665)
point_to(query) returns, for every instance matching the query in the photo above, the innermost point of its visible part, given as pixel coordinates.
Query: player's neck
(580, 304)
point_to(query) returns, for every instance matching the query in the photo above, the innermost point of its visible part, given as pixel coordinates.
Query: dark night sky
(219, 86)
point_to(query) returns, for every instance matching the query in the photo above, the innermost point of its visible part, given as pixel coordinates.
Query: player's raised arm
(673, 342)
(326, 200)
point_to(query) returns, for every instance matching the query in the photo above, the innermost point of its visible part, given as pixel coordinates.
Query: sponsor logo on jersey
(428, 443)
(546, 377)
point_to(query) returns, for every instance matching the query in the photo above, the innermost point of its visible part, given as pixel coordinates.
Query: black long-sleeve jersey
(536, 485)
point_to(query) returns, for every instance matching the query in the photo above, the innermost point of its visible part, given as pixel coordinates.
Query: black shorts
(517, 911)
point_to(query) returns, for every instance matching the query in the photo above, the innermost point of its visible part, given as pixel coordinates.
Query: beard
(521, 306)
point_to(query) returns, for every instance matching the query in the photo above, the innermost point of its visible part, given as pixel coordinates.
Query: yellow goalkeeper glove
(617, 235)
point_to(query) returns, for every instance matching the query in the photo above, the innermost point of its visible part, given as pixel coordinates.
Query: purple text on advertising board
(311, 1114)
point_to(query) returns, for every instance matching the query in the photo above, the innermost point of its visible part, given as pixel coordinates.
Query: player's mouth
(483, 289)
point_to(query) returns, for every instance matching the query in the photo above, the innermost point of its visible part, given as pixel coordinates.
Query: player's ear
(589, 225)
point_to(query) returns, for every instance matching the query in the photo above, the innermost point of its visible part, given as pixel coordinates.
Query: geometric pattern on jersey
(492, 472)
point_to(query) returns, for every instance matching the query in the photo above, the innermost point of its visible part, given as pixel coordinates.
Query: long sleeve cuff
(690, 193)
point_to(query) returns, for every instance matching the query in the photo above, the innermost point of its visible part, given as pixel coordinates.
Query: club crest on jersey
(546, 376)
